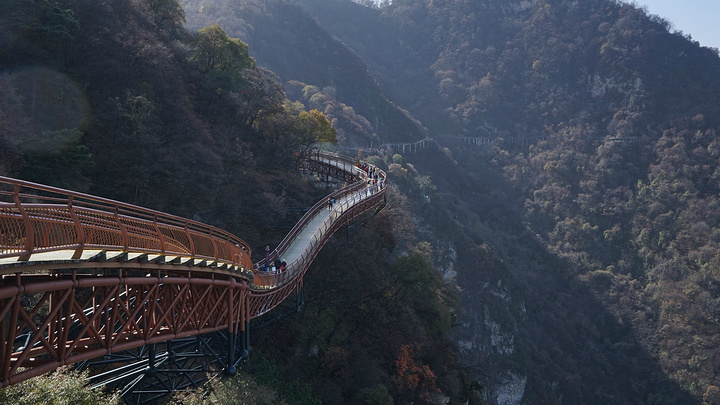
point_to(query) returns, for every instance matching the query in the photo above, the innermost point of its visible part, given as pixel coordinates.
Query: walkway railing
(84, 276)
(351, 201)
(36, 219)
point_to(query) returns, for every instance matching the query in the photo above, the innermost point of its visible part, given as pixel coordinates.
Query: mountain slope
(284, 38)
(608, 248)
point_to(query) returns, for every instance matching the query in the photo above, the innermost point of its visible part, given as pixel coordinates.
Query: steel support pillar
(152, 354)
(245, 339)
(232, 346)
(300, 298)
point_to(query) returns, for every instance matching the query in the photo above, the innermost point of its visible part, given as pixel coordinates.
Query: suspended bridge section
(84, 278)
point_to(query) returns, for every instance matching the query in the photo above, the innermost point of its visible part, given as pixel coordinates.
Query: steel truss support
(245, 340)
(151, 372)
(350, 231)
(291, 305)
(76, 317)
(300, 298)
(238, 348)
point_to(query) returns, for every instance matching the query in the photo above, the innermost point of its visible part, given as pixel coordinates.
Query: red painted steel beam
(147, 315)
(129, 304)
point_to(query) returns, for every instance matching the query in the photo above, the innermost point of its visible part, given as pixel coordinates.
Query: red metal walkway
(82, 276)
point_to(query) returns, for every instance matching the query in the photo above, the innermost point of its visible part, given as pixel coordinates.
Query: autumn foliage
(412, 378)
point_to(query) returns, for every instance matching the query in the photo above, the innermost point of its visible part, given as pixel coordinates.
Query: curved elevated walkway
(83, 276)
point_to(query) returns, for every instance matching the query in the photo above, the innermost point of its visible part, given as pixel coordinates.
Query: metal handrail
(36, 218)
(357, 193)
(348, 166)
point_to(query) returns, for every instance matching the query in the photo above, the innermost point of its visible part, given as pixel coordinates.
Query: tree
(45, 29)
(711, 396)
(313, 127)
(420, 286)
(263, 95)
(412, 378)
(59, 388)
(168, 15)
(58, 158)
(240, 389)
(221, 57)
(377, 395)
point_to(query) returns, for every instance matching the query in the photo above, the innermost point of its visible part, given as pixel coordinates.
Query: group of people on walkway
(364, 167)
(373, 173)
(278, 266)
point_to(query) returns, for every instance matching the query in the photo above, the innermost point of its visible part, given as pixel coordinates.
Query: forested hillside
(583, 239)
(118, 99)
(293, 45)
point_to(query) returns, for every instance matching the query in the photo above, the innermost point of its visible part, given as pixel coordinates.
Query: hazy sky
(699, 18)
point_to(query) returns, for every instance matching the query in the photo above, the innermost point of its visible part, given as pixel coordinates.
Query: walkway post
(232, 330)
(232, 340)
(245, 338)
(152, 367)
(299, 297)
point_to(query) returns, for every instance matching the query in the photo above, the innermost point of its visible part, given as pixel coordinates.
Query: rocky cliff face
(483, 343)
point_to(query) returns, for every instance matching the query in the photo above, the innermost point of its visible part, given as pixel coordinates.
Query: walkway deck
(321, 221)
(314, 229)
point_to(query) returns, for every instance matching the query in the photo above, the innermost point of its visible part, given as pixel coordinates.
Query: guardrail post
(190, 240)
(244, 323)
(123, 230)
(159, 234)
(215, 246)
(232, 329)
(80, 231)
(29, 228)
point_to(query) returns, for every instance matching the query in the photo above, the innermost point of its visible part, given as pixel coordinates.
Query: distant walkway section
(366, 190)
